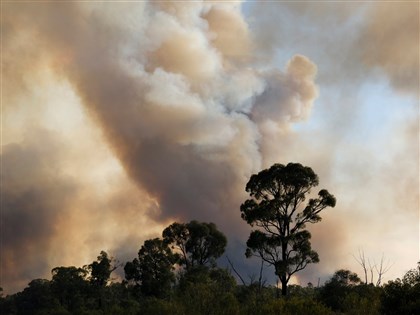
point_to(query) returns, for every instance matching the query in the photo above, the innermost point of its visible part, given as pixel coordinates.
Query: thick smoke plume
(127, 116)
(364, 143)
(174, 89)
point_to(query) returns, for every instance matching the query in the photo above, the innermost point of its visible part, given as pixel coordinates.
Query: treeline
(178, 274)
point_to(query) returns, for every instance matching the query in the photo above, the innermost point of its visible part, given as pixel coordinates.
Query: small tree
(36, 298)
(101, 269)
(99, 276)
(380, 269)
(197, 243)
(70, 286)
(277, 208)
(402, 296)
(345, 293)
(153, 269)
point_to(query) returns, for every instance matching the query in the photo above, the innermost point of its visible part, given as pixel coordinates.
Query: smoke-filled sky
(119, 118)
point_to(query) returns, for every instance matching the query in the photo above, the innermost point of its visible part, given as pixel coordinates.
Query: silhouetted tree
(197, 243)
(402, 296)
(345, 277)
(346, 293)
(276, 208)
(35, 298)
(99, 276)
(70, 286)
(373, 268)
(153, 269)
(101, 269)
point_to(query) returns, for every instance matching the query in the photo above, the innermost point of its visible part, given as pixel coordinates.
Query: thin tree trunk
(283, 277)
(234, 270)
(283, 286)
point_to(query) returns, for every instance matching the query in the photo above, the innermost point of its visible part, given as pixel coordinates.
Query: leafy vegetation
(206, 290)
(213, 291)
(152, 271)
(178, 273)
(196, 243)
(277, 208)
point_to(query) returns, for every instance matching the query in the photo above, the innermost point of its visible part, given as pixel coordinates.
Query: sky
(121, 117)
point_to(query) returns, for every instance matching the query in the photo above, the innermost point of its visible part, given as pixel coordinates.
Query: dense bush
(344, 293)
(295, 306)
(208, 291)
(213, 291)
(402, 297)
(153, 287)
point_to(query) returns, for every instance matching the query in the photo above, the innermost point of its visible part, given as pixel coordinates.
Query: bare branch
(235, 271)
(382, 270)
(362, 262)
(371, 270)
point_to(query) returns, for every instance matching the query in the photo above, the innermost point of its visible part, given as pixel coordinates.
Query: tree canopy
(277, 209)
(101, 269)
(402, 296)
(197, 243)
(153, 269)
(210, 291)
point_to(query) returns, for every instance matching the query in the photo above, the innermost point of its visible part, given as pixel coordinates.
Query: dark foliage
(345, 293)
(197, 243)
(277, 208)
(100, 270)
(402, 296)
(152, 271)
(202, 289)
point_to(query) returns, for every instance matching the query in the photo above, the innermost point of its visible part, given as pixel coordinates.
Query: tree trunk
(283, 277)
(283, 286)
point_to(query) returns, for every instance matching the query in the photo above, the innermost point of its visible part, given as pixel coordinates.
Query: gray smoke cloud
(179, 102)
(383, 43)
(368, 159)
(34, 197)
(169, 108)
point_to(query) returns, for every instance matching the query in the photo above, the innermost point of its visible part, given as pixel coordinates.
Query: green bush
(156, 306)
(295, 306)
(208, 291)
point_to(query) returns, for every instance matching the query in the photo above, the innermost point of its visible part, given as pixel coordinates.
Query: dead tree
(372, 268)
